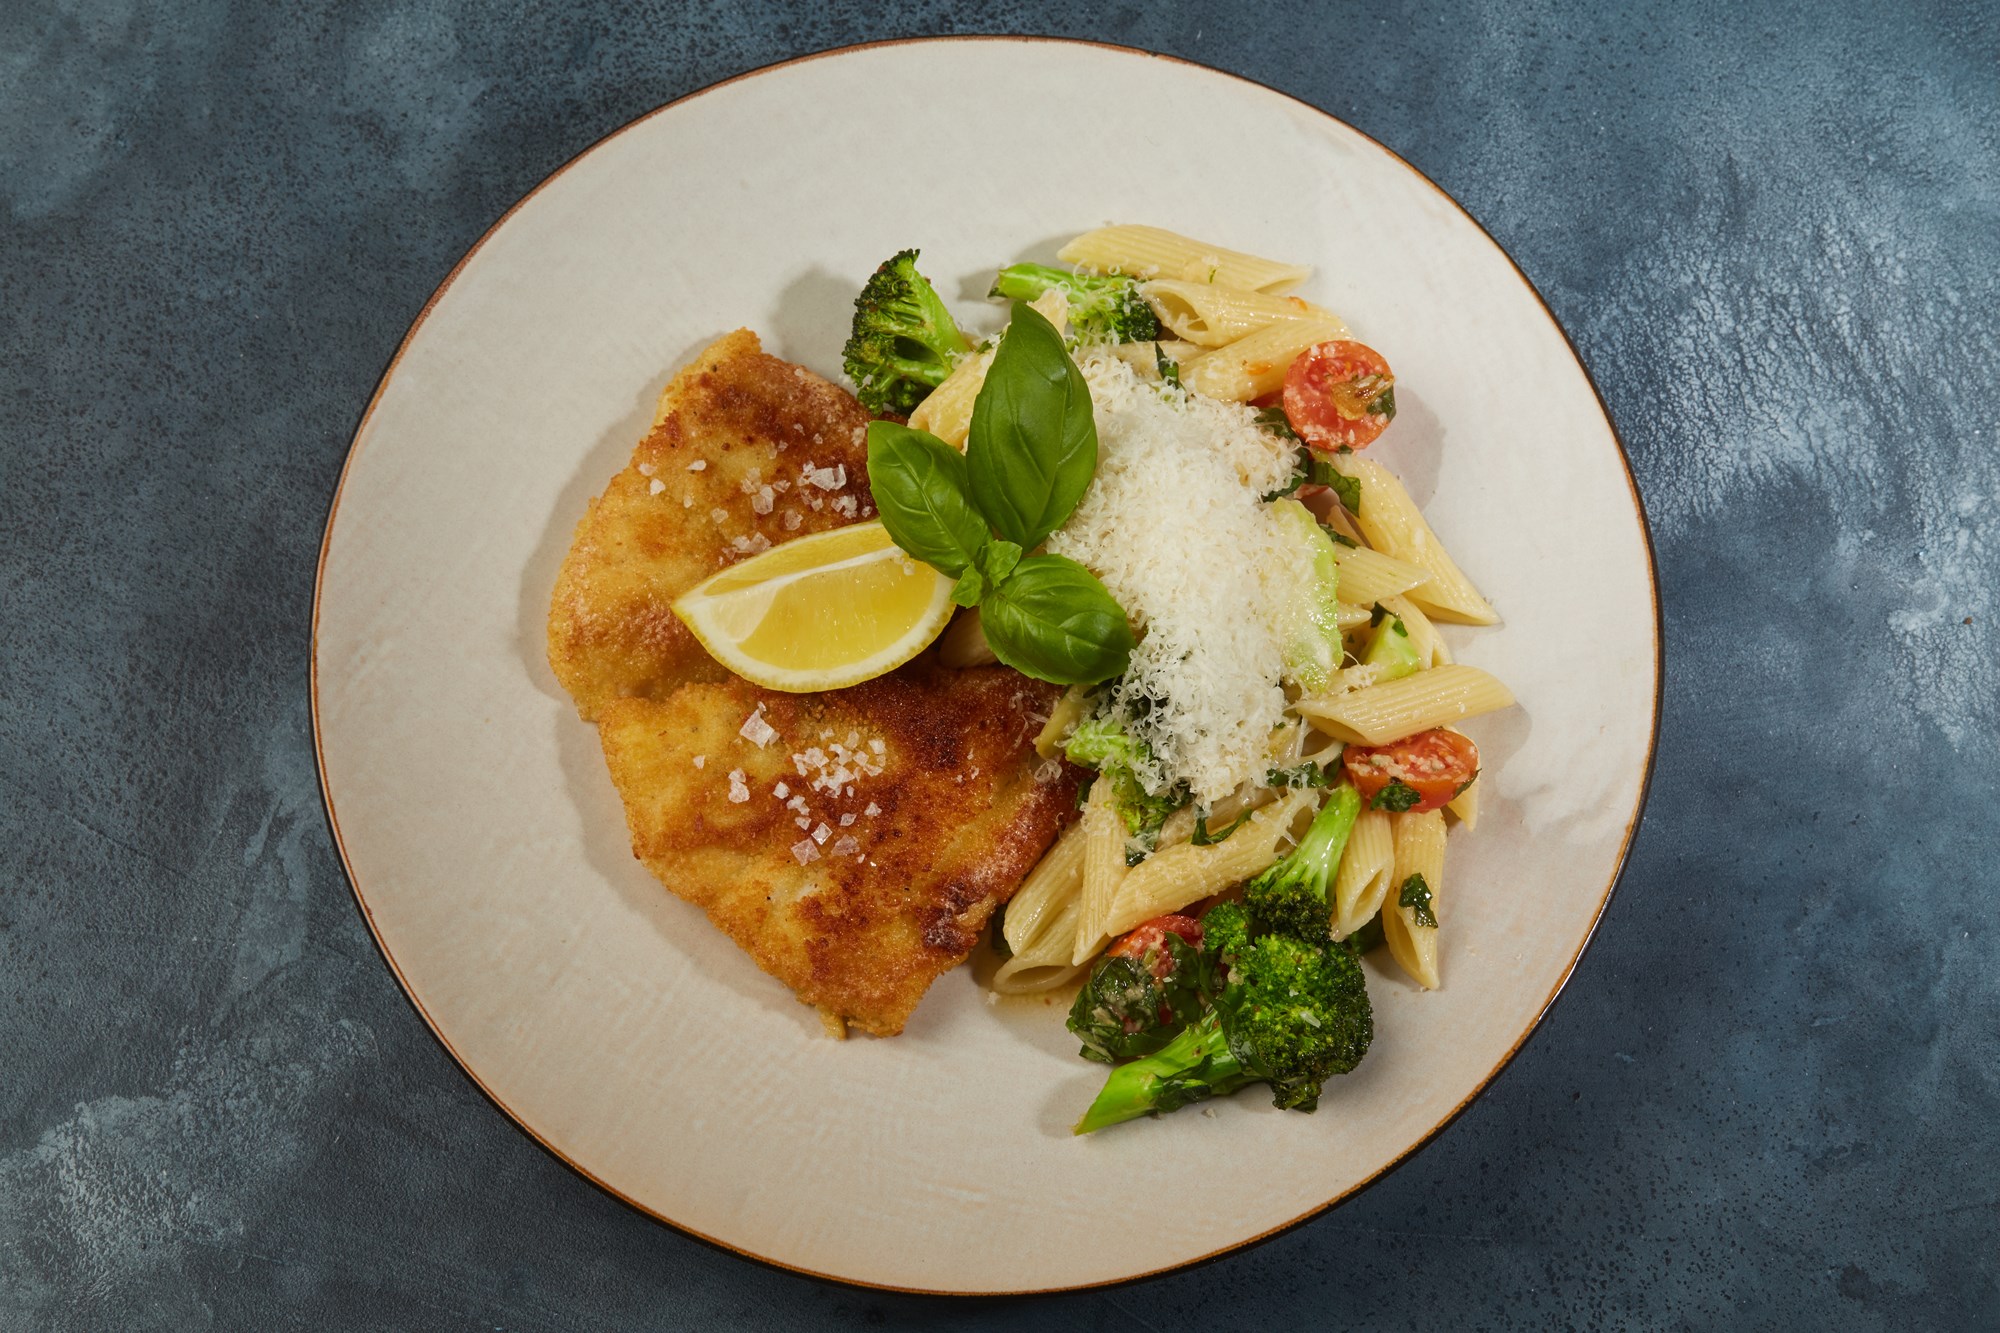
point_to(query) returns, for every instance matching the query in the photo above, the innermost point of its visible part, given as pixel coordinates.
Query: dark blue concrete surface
(1771, 1097)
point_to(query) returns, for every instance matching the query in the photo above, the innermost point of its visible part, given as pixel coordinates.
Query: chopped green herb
(1305, 775)
(998, 935)
(1376, 615)
(1340, 538)
(1396, 798)
(1203, 838)
(1274, 420)
(1467, 783)
(1170, 369)
(1416, 896)
(1348, 489)
(1385, 403)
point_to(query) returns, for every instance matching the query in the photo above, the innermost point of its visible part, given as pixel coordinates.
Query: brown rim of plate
(1624, 847)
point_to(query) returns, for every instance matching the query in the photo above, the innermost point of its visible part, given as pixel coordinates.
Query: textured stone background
(1771, 1097)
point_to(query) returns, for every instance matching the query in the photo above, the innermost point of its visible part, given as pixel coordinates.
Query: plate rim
(1619, 867)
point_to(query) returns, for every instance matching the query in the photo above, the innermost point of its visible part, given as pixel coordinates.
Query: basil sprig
(1032, 449)
(1029, 457)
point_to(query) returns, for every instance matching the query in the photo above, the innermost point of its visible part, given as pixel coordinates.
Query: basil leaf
(998, 558)
(1170, 369)
(1416, 895)
(970, 588)
(1346, 487)
(1033, 446)
(1054, 621)
(924, 497)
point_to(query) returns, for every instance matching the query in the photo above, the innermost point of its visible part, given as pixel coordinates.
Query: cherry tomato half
(1151, 938)
(1339, 394)
(1435, 765)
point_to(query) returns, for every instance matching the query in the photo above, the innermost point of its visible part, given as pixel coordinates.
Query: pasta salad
(1151, 488)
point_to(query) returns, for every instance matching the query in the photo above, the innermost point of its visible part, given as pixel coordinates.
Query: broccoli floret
(904, 342)
(1291, 895)
(1103, 743)
(1134, 1006)
(1293, 1014)
(1102, 308)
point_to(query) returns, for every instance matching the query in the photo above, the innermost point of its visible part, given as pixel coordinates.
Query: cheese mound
(1175, 526)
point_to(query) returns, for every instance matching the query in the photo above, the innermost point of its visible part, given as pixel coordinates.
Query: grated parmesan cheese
(1171, 524)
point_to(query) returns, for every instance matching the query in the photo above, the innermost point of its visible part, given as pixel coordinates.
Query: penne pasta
(1145, 357)
(1465, 806)
(1050, 887)
(1255, 365)
(1174, 877)
(1069, 710)
(947, 413)
(1431, 650)
(1154, 252)
(1366, 576)
(1419, 850)
(1362, 880)
(1391, 522)
(1348, 615)
(1103, 869)
(1394, 709)
(1212, 314)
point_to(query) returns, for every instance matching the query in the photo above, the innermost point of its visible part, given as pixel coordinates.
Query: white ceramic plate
(484, 839)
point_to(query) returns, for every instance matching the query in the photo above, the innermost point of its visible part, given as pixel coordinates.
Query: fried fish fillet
(746, 451)
(857, 854)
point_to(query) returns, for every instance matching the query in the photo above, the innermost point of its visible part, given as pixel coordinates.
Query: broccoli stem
(1391, 648)
(1025, 282)
(1192, 1067)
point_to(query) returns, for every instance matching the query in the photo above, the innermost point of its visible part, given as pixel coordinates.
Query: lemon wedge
(819, 613)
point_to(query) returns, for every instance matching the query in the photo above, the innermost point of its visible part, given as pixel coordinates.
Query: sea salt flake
(698, 465)
(756, 730)
(804, 851)
(847, 819)
(781, 791)
(655, 486)
(872, 810)
(846, 846)
(739, 790)
(822, 833)
(700, 759)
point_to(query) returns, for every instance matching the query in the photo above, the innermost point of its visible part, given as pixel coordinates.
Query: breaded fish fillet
(746, 451)
(857, 853)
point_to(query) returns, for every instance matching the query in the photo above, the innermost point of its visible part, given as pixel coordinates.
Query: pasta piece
(1362, 880)
(1103, 869)
(1212, 314)
(1145, 357)
(1069, 710)
(1054, 882)
(1419, 851)
(1173, 877)
(1154, 252)
(1465, 805)
(1393, 525)
(947, 413)
(1040, 924)
(1366, 576)
(1430, 645)
(1398, 708)
(1349, 616)
(1254, 366)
